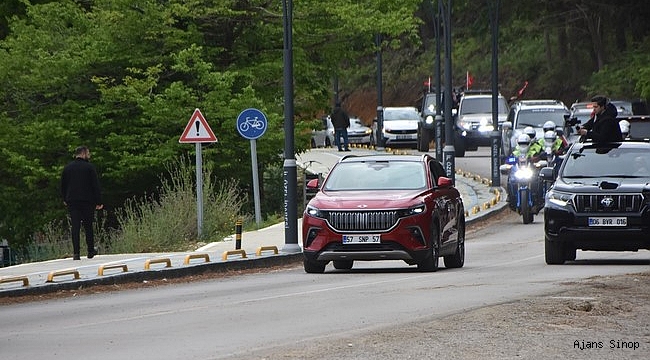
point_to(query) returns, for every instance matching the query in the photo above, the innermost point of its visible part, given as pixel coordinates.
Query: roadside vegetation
(164, 221)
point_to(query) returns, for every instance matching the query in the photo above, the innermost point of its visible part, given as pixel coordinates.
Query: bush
(166, 221)
(169, 222)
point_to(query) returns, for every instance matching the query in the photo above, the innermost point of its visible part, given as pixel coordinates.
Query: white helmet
(549, 125)
(523, 141)
(550, 136)
(625, 128)
(530, 132)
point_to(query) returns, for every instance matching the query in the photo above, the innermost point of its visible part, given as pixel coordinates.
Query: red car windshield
(376, 175)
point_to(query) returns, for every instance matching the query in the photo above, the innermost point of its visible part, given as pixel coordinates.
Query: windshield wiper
(580, 176)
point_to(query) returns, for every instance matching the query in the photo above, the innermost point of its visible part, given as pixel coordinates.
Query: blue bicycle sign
(254, 123)
(251, 124)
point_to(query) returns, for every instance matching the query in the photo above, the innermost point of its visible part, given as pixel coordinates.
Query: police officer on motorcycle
(531, 150)
(530, 147)
(560, 143)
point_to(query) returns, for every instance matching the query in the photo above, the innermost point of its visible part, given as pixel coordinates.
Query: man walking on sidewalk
(82, 195)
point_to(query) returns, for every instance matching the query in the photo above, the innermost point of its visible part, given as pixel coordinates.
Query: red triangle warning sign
(197, 130)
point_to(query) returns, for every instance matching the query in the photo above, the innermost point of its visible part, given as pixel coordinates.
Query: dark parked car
(600, 200)
(384, 207)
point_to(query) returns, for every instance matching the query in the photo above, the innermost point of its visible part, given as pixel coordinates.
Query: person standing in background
(82, 196)
(341, 122)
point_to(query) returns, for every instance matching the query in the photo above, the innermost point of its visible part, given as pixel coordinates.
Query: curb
(164, 273)
(494, 203)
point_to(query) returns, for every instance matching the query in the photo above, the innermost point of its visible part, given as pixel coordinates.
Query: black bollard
(238, 225)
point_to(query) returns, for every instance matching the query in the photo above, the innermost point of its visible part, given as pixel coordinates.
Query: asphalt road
(265, 315)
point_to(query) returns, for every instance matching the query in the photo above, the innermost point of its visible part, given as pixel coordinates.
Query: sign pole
(198, 131)
(199, 190)
(256, 183)
(252, 124)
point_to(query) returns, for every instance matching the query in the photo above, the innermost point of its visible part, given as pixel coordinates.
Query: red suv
(384, 207)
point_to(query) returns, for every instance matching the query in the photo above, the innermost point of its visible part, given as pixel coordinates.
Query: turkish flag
(521, 91)
(469, 80)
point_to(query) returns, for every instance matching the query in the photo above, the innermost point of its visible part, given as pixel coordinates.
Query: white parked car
(401, 126)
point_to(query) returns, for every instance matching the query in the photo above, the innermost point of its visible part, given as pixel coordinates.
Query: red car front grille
(362, 220)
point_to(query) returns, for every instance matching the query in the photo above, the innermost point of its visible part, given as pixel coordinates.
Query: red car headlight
(314, 211)
(414, 210)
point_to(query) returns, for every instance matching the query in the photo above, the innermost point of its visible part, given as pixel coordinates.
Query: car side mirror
(507, 125)
(312, 184)
(547, 174)
(444, 182)
(505, 169)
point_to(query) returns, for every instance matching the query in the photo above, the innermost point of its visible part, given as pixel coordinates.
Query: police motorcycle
(524, 191)
(549, 171)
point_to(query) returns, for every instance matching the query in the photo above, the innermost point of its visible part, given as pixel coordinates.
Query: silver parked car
(358, 133)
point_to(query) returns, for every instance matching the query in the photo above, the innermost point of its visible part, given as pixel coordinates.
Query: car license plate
(403, 137)
(607, 221)
(361, 239)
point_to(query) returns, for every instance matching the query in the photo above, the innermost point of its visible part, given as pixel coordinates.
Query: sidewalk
(261, 248)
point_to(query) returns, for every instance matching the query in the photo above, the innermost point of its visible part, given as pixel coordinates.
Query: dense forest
(124, 76)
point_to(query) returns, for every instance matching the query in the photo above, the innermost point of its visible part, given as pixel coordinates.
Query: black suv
(474, 125)
(600, 200)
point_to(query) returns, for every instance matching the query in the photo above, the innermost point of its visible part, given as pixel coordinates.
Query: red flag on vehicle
(469, 80)
(521, 91)
(427, 84)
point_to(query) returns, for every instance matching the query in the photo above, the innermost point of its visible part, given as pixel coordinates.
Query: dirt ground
(598, 318)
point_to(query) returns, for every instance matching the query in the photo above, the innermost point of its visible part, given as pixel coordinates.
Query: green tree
(124, 76)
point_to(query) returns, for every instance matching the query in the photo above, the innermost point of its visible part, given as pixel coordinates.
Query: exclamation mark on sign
(197, 124)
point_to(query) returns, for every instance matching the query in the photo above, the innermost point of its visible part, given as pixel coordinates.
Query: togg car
(384, 207)
(599, 201)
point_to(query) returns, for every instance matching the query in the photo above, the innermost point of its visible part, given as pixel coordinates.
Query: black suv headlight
(314, 211)
(414, 210)
(558, 199)
(429, 119)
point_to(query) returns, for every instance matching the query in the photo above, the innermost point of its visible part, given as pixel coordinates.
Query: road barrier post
(238, 226)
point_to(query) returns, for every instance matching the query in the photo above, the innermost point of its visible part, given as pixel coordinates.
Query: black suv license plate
(608, 221)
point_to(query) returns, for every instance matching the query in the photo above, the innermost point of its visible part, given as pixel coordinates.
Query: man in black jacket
(341, 122)
(602, 127)
(82, 195)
